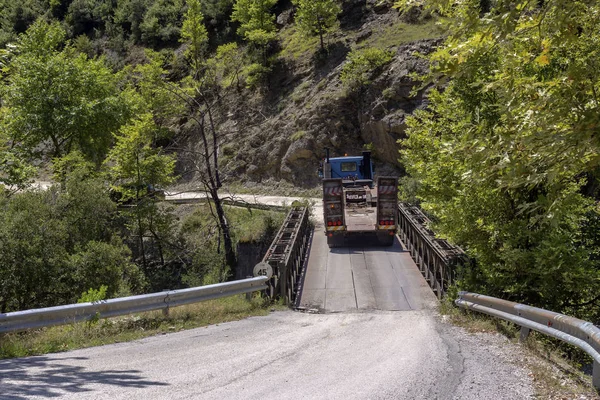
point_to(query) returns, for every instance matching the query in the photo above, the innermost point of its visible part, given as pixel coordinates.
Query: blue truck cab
(352, 170)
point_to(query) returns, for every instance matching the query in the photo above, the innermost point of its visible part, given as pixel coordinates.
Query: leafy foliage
(58, 243)
(257, 24)
(162, 22)
(194, 32)
(59, 98)
(93, 295)
(506, 155)
(362, 65)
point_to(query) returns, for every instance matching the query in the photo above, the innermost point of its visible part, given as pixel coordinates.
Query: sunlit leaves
(59, 100)
(257, 24)
(194, 33)
(507, 154)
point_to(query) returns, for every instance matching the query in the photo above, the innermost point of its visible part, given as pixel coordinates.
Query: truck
(355, 205)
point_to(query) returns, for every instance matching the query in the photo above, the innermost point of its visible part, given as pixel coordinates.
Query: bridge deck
(362, 278)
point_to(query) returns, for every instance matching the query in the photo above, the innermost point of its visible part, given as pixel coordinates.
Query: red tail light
(382, 222)
(339, 223)
(329, 223)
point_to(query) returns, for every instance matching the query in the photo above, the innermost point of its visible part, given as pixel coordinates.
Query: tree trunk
(321, 37)
(230, 257)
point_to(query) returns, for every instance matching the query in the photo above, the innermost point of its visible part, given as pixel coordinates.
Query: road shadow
(44, 377)
(369, 244)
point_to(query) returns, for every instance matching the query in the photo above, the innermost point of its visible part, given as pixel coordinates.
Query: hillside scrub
(506, 156)
(362, 65)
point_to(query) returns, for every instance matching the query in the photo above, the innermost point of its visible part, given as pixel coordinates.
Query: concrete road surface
(286, 355)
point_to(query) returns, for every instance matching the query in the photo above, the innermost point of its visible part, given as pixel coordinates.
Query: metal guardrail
(43, 317)
(436, 258)
(576, 332)
(287, 254)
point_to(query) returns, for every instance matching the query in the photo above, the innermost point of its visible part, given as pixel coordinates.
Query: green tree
(17, 16)
(506, 155)
(162, 22)
(257, 24)
(317, 17)
(136, 168)
(229, 64)
(194, 33)
(147, 92)
(362, 65)
(57, 243)
(16, 173)
(60, 98)
(129, 14)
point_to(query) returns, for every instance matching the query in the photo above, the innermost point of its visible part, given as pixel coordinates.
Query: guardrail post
(524, 334)
(249, 294)
(596, 376)
(165, 311)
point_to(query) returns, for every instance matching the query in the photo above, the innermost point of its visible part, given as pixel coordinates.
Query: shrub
(255, 75)
(298, 135)
(362, 65)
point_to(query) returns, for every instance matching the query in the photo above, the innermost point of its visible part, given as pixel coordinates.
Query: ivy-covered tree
(317, 17)
(506, 156)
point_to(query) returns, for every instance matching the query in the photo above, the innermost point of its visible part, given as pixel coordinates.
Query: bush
(362, 65)
(93, 295)
(256, 75)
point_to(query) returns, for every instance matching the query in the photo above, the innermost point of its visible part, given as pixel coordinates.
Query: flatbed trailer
(359, 212)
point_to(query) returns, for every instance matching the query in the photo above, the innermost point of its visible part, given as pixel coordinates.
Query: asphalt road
(356, 349)
(286, 355)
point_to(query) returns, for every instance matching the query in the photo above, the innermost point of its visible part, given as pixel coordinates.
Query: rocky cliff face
(281, 135)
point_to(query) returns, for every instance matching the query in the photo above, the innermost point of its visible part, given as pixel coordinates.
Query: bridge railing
(287, 254)
(436, 258)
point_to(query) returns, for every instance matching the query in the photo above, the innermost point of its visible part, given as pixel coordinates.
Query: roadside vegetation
(505, 157)
(505, 161)
(558, 370)
(138, 326)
